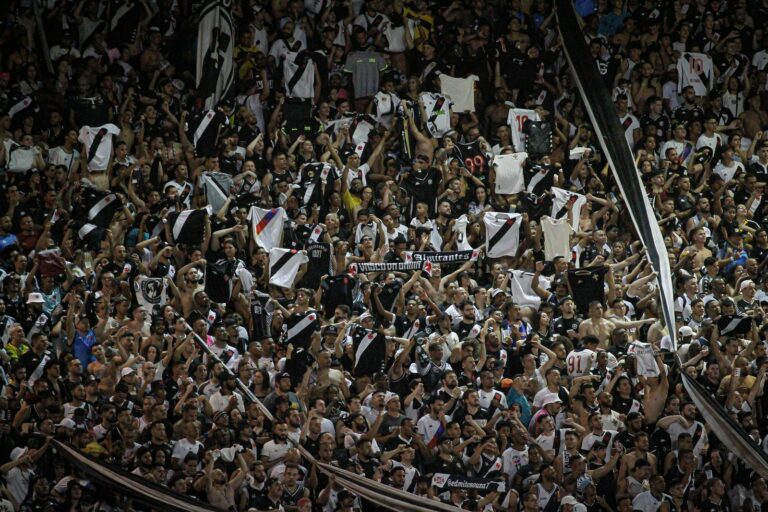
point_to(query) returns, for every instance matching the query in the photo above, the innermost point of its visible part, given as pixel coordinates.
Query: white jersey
(437, 108)
(509, 172)
(57, 156)
(557, 237)
(98, 145)
(386, 105)
(516, 119)
(299, 75)
(579, 362)
(630, 123)
(695, 69)
(554, 441)
(606, 437)
(513, 460)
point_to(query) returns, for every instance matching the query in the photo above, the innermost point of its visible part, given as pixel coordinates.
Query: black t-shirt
(422, 185)
(337, 290)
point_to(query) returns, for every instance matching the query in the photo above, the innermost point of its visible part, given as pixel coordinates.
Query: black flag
(587, 285)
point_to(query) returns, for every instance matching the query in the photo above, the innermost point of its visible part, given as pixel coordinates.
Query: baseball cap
(283, 375)
(746, 283)
(126, 371)
(569, 500)
(550, 398)
(67, 423)
(685, 331)
(18, 452)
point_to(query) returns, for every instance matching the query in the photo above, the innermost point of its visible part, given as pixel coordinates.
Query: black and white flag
(203, 131)
(101, 206)
(90, 234)
(188, 226)
(124, 25)
(301, 326)
(218, 277)
(98, 145)
(21, 107)
(150, 292)
(370, 351)
(732, 325)
(284, 265)
(216, 42)
(502, 234)
(216, 186)
(315, 179)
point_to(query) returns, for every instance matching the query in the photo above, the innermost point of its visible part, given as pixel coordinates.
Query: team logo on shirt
(152, 290)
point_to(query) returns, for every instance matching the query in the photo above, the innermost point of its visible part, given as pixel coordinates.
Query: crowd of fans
(544, 397)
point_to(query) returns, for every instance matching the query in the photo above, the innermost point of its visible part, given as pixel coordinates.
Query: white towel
(460, 90)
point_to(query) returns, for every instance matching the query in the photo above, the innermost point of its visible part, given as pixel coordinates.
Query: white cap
(67, 423)
(35, 298)
(18, 452)
(126, 371)
(745, 283)
(550, 398)
(685, 331)
(569, 500)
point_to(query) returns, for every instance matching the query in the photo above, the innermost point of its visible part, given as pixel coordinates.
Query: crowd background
(546, 397)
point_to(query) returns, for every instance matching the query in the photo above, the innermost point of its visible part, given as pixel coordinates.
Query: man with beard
(77, 392)
(639, 452)
(552, 440)
(432, 425)
(467, 326)
(221, 348)
(108, 414)
(449, 392)
(274, 450)
(471, 411)
(293, 490)
(634, 423)
(547, 490)
(254, 487)
(488, 396)
(225, 399)
(35, 359)
(516, 455)
(431, 366)
(686, 422)
(610, 419)
(598, 434)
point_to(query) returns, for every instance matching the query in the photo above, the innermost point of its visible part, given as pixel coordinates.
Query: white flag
(267, 226)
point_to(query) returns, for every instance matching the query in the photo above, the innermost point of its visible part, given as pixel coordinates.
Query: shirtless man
(698, 250)
(753, 119)
(601, 328)
(188, 282)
